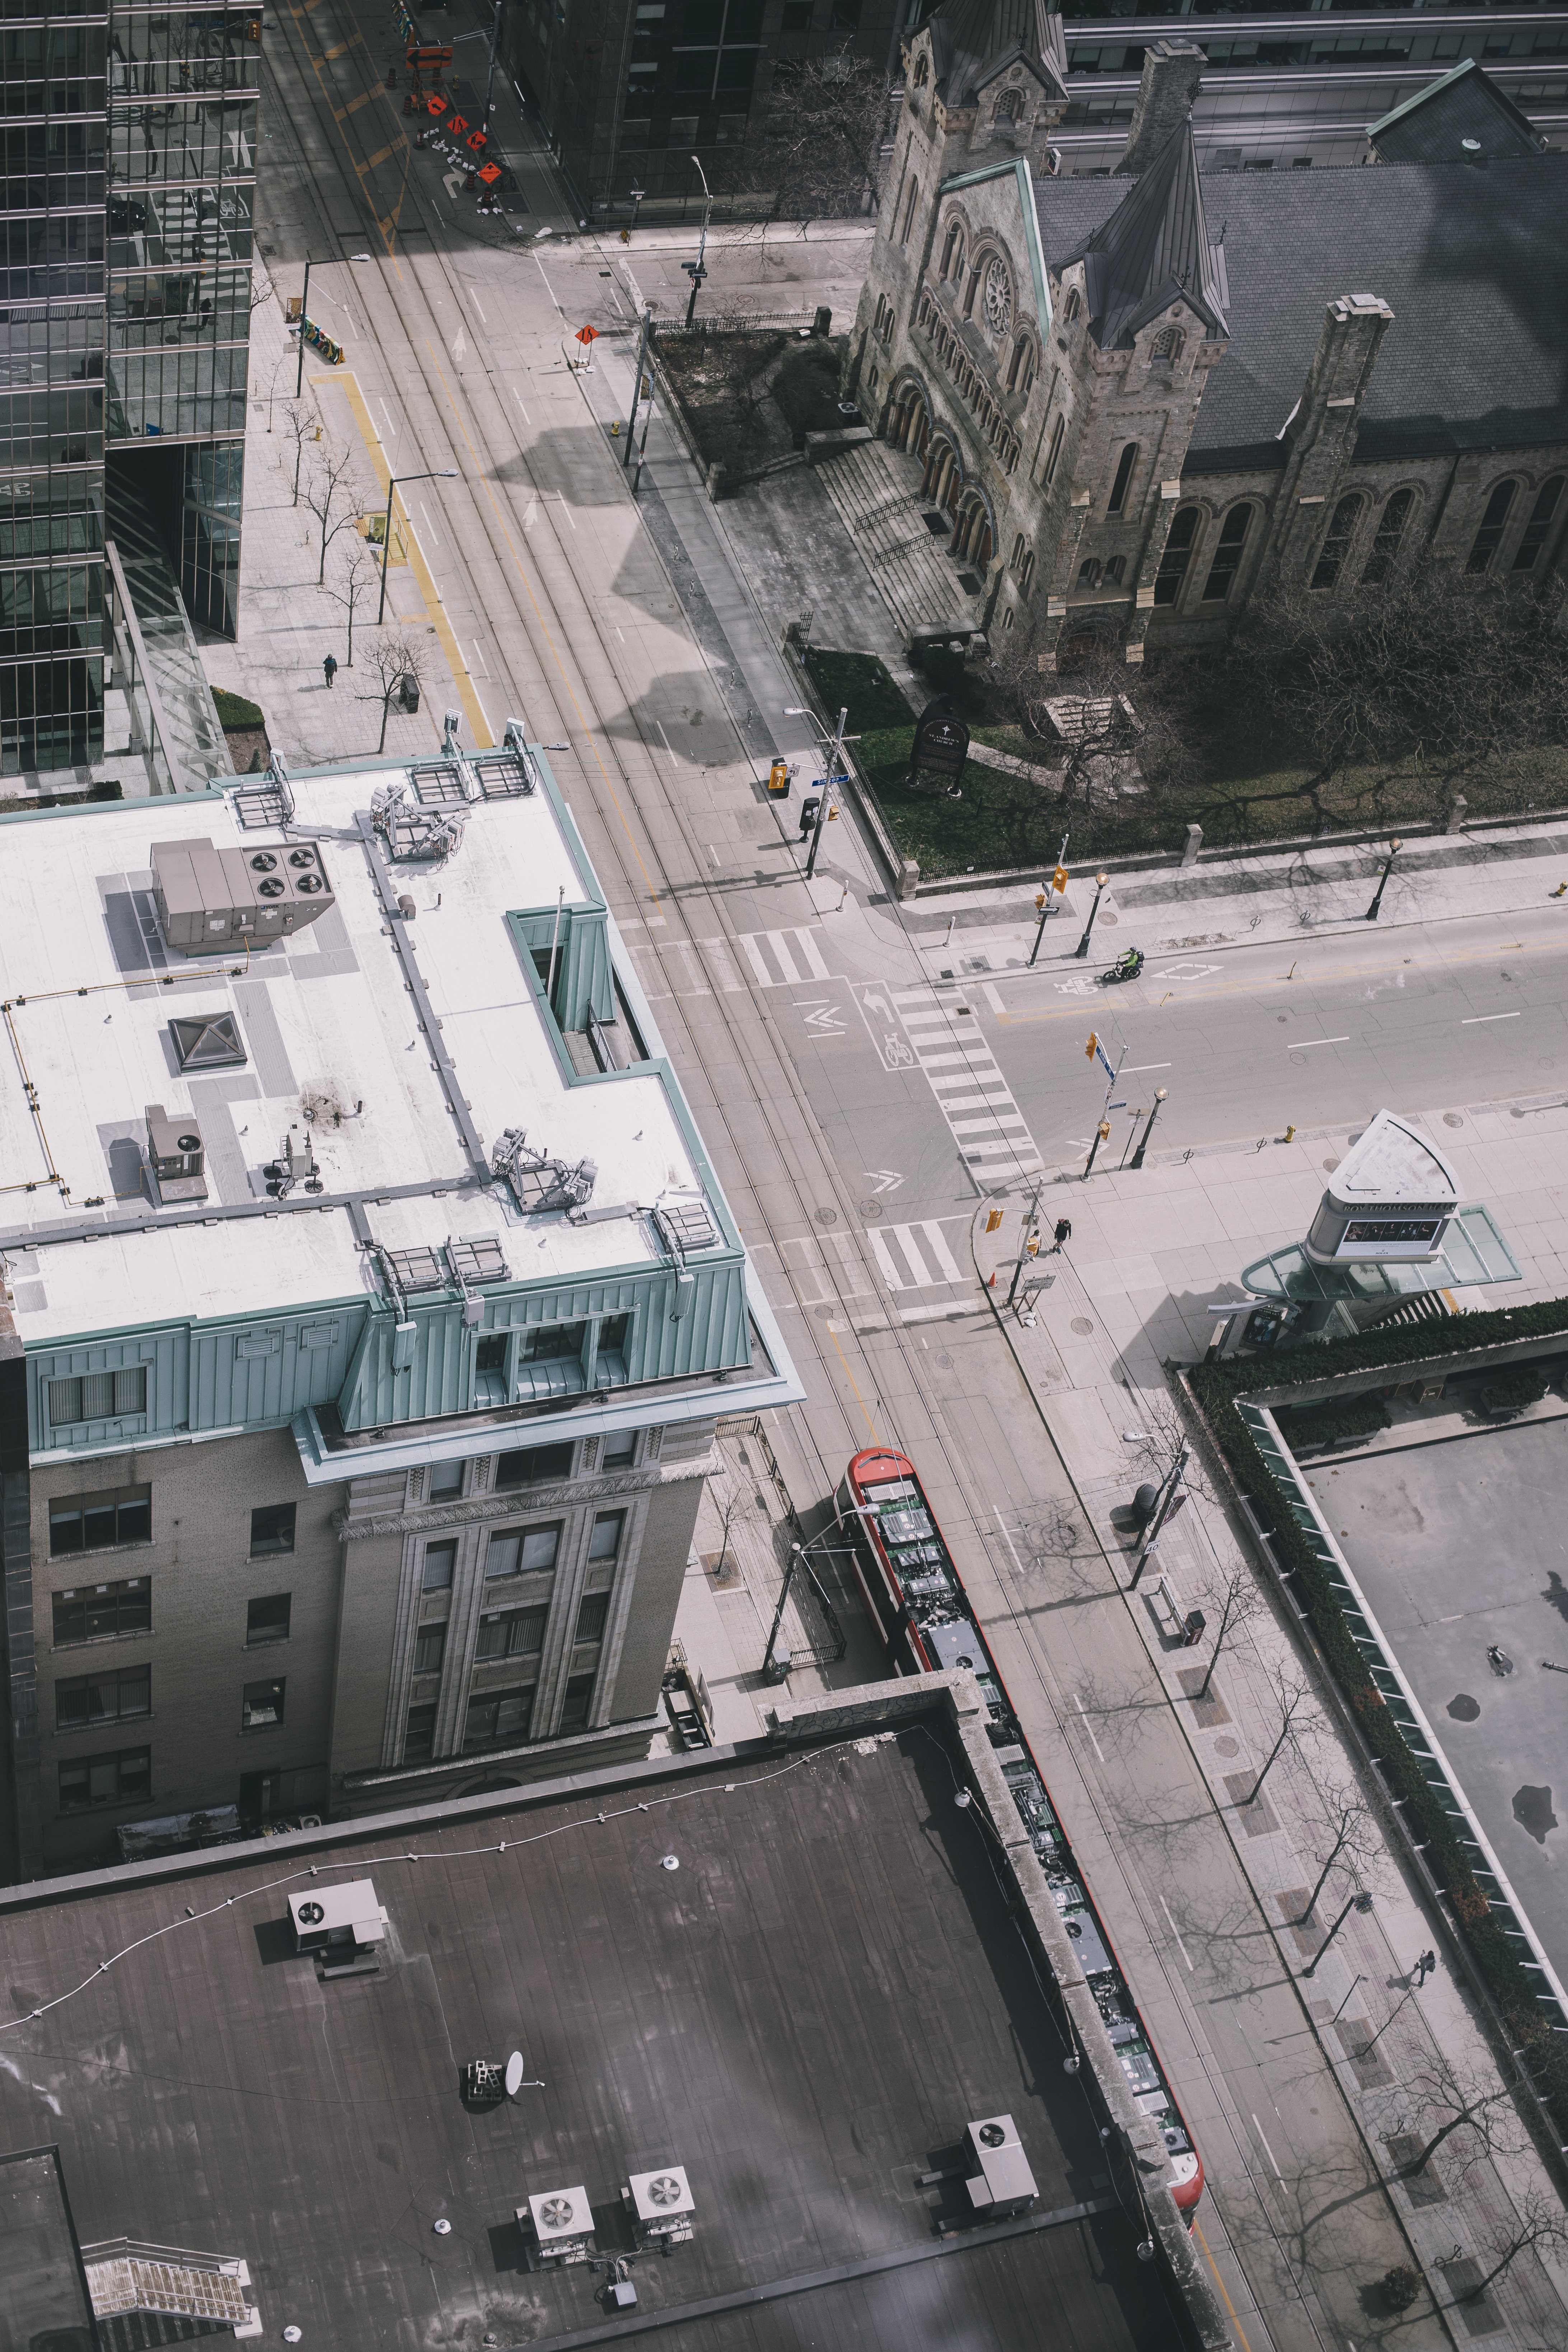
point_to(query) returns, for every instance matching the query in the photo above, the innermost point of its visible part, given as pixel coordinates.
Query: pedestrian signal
(1104, 1129)
(1091, 1048)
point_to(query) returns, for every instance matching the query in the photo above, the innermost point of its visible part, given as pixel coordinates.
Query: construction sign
(587, 335)
(490, 173)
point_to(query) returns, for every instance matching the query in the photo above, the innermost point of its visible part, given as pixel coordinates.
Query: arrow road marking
(883, 1180)
(825, 1019)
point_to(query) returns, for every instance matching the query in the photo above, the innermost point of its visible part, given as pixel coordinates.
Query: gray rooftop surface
(804, 2014)
(1456, 1544)
(1473, 264)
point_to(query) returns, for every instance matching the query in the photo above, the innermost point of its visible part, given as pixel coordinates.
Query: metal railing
(150, 728)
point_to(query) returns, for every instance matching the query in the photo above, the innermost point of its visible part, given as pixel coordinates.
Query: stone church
(1136, 400)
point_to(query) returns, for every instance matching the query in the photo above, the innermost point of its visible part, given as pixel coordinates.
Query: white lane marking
(1088, 1728)
(793, 952)
(1268, 2151)
(971, 1091)
(1299, 1044)
(435, 539)
(548, 287)
(1478, 1017)
(460, 346)
(664, 740)
(387, 413)
(523, 405)
(479, 657)
(1175, 1930)
(1138, 1068)
(561, 498)
(475, 300)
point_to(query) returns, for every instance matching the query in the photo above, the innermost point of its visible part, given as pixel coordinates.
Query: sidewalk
(1129, 1293)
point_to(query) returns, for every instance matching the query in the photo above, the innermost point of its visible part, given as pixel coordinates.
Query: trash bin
(1192, 1625)
(410, 691)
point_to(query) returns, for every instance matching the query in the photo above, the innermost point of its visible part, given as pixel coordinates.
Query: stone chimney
(1171, 72)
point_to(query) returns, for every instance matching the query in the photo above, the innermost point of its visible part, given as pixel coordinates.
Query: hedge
(1216, 1387)
(1319, 1424)
(1512, 1388)
(234, 711)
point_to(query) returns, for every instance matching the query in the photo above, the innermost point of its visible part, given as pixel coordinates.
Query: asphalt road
(809, 1058)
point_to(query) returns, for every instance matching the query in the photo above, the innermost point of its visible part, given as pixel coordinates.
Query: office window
(552, 1343)
(445, 1481)
(605, 1541)
(429, 1649)
(1385, 545)
(118, 1695)
(267, 1620)
(271, 1530)
(419, 1735)
(262, 1707)
(95, 1612)
(490, 1355)
(495, 1718)
(512, 1633)
(1177, 556)
(1227, 555)
(620, 1449)
(1337, 540)
(123, 1778)
(97, 1396)
(119, 1514)
(1533, 536)
(579, 1699)
(532, 1466)
(591, 1617)
(1123, 482)
(523, 1551)
(440, 1559)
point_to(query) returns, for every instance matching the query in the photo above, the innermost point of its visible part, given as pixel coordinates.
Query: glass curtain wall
(52, 225)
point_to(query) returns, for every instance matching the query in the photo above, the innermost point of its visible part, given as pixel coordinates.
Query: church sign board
(941, 742)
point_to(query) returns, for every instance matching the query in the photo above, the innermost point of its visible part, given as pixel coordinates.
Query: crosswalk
(917, 1257)
(824, 1270)
(779, 958)
(972, 1094)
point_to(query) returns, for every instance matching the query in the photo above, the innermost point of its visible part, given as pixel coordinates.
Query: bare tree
(818, 149)
(333, 497)
(1537, 2221)
(1112, 736)
(390, 660)
(283, 361)
(1350, 1830)
(1291, 1696)
(1238, 1601)
(1160, 1435)
(357, 583)
(1470, 2097)
(303, 426)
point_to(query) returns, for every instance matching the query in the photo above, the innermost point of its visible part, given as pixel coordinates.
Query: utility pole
(304, 305)
(1160, 1094)
(1059, 882)
(1101, 1134)
(1161, 1513)
(1356, 1903)
(491, 76)
(696, 270)
(835, 756)
(1024, 1252)
(636, 386)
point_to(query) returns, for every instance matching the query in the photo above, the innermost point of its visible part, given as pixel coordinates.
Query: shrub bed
(1322, 1424)
(1216, 1388)
(1513, 1389)
(234, 710)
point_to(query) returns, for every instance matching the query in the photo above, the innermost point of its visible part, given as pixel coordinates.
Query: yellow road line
(583, 719)
(380, 157)
(876, 1434)
(1197, 2233)
(355, 104)
(447, 636)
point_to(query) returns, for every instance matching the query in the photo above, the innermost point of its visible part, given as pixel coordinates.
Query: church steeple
(1154, 250)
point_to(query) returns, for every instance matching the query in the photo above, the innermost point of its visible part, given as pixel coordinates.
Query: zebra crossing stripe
(971, 1092)
(794, 952)
(915, 1256)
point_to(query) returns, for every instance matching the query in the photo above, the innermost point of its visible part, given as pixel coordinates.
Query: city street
(858, 1102)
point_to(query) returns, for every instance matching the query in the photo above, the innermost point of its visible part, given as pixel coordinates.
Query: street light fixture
(1394, 849)
(443, 473)
(1160, 1095)
(1357, 1903)
(696, 270)
(1099, 882)
(835, 764)
(637, 194)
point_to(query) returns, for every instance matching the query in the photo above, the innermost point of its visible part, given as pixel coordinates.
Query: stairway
(196, 747)
(877, 493)
(1420, 1306)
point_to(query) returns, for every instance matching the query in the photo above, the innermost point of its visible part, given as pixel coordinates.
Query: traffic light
(1060, 879)
(1104, 1130)
(1088, 1050)
(993, 1220)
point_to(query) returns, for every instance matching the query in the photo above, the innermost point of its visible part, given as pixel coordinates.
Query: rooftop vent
(662, 2205)
(427, 832)
(562, 2221)
(208, 1040)
(684, 1224)
(343, 1924)
(211, 901)
(476, 1259)
(537, 1181)
(177, 1155)
(1000, 2181)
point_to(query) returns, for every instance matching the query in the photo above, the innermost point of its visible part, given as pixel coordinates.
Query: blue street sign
(1099, 1051)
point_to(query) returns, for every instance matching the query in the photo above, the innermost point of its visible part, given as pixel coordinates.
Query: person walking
(1063, 1234)
(1424, 1967)
(329, 668)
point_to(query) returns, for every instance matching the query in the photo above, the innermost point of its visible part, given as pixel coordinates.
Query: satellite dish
(513, 2073)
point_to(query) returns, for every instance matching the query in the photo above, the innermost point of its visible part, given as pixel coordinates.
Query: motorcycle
(1128, 966)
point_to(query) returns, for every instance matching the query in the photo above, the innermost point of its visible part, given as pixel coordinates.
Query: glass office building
(129, 154)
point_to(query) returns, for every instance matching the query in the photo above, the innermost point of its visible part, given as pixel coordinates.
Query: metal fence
(739, 322)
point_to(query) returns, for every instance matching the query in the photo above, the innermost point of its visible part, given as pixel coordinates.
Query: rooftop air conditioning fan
(666, 2190)
(310, 1914)
(558, 2212)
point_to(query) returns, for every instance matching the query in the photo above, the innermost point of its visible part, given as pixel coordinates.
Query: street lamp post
(1150, 1541)
(1099, 882)
(490, 74)
(698, 272)
(835, 764)
(304, 305)
(1160, 1095)
(773, 1671)
(1356, 1903)
(638, 195)
(1057, 881)
(637, 382)
(444, 474)
(1394, 849)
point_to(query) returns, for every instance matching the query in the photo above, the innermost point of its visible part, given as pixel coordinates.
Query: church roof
(1154, 248)
(1473, 264)
(1437, 124)
(970, 40)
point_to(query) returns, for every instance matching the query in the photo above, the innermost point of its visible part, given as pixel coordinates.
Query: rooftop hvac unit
(662, 2206)
(341, 1922)
(176, 1155)
(562, 2221)
(211, 901)
(1000, 2182)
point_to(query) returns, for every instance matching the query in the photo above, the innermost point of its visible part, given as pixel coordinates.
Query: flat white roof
(1393, 1160)
(327, 1018)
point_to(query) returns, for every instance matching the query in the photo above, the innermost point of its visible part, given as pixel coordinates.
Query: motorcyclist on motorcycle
(1128, 966)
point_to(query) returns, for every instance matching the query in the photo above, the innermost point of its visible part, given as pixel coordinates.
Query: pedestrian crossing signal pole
(837, 774)
(636, 385)
(304, 308)
(1058, 883)
(1028, 1248)
(1102, 1135)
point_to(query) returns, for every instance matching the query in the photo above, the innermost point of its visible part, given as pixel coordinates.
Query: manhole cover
(1329, 1166)
(946, 1362)
(870, 1208)
(1109, 922)
(1543, 1062)
(1452, 1118)
(824, 1314)
(1227, 1747)
(1082, 1326)
(827, 1216)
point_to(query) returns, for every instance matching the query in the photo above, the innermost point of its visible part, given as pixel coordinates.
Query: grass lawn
(1249, 792)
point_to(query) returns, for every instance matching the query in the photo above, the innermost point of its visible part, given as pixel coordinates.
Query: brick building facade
(1136, 414)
